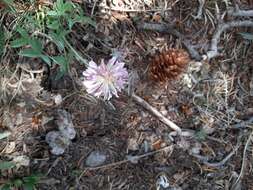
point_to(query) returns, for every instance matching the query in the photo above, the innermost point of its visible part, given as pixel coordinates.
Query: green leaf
(8, 1)
(87, 20)
(46, 59)
(28, 186)
(62, 7)
(54, 25)
(31, 179)
(246, 35)
(58, 40)
(17, 182)
(36, 45)
(9, 6)
(4, 134)
(23, 32)
(30, 53)
(5, 165)
(62, 61)
(19, 42)
(52, 13)
(60, 74)
(5, 187)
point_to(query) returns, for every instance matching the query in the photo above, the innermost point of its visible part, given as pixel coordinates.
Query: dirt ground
(211, 101)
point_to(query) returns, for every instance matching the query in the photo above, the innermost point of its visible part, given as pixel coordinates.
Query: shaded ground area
(212, 101)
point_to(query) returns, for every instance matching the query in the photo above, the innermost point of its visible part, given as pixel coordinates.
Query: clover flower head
(105, 80)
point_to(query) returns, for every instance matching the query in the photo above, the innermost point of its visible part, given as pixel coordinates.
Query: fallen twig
(200, 9)
(213, 52)
(154, 111)
(244, 158)
(216, 164)
(168, 29)
(131, 158)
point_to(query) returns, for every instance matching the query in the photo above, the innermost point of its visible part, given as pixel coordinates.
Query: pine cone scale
(168, 65)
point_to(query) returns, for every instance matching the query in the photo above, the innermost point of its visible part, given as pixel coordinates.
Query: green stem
(78, 56)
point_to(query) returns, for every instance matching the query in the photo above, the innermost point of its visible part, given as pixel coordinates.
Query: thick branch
(213, 52)
(168, 29)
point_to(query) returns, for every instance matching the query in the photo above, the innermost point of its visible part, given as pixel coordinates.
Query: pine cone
(168, 64)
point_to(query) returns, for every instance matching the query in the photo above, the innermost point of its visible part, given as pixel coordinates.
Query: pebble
(65, 124)
(95, 158)
(57, 142)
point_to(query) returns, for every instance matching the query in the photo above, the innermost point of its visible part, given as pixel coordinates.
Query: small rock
(58, 99)
(65, 124)
(57, 141)
(163, 111)
(95, 158)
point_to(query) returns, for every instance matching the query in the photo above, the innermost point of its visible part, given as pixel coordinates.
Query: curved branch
(168, 29)
(213, 52)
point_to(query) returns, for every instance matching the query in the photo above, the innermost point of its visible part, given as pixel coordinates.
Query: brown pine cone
(168, 65)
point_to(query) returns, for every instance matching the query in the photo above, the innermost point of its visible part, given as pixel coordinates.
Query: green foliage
(5, 165)
(53, 23)
(25, 183)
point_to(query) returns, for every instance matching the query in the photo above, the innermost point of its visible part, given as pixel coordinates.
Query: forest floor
(211, 101)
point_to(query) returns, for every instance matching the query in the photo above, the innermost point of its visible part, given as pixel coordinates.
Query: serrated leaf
(54, 25)
(66, 7)
(36, 45)
(58, 40)
(5, 165)
(23, 32)
(30, 53)
(4, 134)
(19, 42)
(59, 59)
(46, 59)
(246, 35)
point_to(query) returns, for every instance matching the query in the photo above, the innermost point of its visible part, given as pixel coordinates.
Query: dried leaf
(10, 148)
